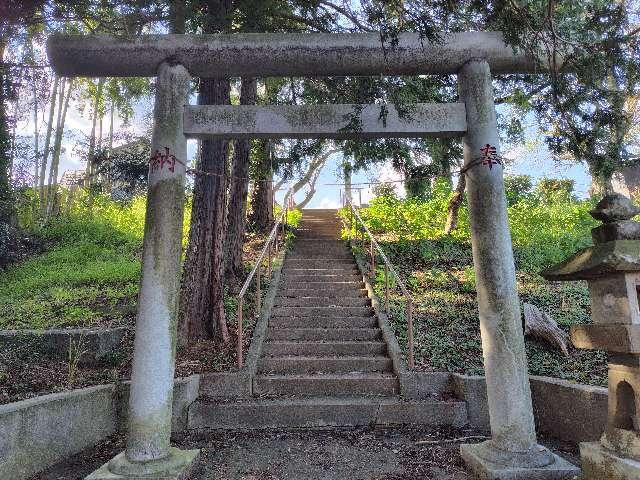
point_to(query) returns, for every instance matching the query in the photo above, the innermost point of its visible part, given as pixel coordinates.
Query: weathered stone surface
(276, 54)
(326, 384)
(597, 261)
(613, 338)
(622, 230)
(568, 411)
(484, 469)
(614, 298)
(599, 464)
(177, 466)
(324, 121)
(473, 390)
(505, 362)
(614, 208)
(97, 344)
(41, 431)
(152, 371)
(38, 432)
(564, 410)
(323, 412)
(185, 392)
(226, 384)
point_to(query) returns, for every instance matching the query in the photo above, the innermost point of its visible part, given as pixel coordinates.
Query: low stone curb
(94, 345)
(39, 432)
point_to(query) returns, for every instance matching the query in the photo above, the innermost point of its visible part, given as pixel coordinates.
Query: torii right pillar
(512, 453)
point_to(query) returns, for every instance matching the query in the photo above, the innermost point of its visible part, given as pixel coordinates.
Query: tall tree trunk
(47, 143)
(6, 194)
(202, 301)
(57, 146)
(36, 137)
(177, 16)
(88, 180)
(202, 295)
(237, 206)
(261, 218)
(454, 205)
(346, 175)
(312, 188)
(111, 111)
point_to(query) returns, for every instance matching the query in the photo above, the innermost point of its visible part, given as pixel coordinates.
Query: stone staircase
(324, 361)
(323, 336)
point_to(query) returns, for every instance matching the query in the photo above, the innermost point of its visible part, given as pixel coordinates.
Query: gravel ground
(340, 454)
(337, 454)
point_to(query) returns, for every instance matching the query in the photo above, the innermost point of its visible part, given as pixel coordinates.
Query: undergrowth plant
(547, 225)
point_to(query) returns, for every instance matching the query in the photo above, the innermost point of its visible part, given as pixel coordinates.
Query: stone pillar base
(599, 463)
(528, 467)
(177, 466)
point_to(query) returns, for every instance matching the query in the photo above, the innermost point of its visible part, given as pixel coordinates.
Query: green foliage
(546, 225)
(517, 187)
(438, 270)
(89, 274)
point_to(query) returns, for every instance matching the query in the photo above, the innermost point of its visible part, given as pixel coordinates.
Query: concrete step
(285, 300)
(322, 255)
(329, 251)
(297, 277)
(327, 384)
(322, 412)
(299, 270)
(327, 293)
(321, 311)
(323, 322)
(326, 334)
(338, 284)
(343, 364)
(281, 348)
(319, 263)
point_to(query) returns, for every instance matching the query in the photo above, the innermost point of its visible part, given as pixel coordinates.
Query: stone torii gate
(513, 451)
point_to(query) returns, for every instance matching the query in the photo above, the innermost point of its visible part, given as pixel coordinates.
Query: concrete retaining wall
(41, 431)
(567, 411)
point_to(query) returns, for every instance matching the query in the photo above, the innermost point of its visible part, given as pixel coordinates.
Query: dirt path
(339, 454)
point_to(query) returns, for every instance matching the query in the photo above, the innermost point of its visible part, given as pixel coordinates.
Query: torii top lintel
(276, 54)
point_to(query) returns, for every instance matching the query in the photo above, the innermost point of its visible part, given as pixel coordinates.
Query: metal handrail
(388, 267)
(270, 245)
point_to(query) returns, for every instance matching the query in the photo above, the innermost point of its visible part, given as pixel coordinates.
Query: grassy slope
(439, 272)
(88, 276)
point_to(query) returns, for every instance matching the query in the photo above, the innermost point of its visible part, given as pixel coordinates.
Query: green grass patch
(546, 227)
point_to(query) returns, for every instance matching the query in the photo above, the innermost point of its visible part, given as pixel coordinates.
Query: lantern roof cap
(598, 261)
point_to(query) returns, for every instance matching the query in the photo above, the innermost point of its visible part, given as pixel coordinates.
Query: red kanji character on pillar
(159, 160)
(489, 156)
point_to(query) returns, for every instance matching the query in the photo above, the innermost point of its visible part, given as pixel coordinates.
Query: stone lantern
(612, 270)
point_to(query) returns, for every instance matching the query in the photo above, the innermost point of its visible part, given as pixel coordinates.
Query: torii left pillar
(148, 452)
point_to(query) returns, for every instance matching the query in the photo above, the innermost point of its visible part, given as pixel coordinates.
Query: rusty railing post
(258, 291)
(386, 289)
(411, 361)
(239, 334)
(373, 260)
